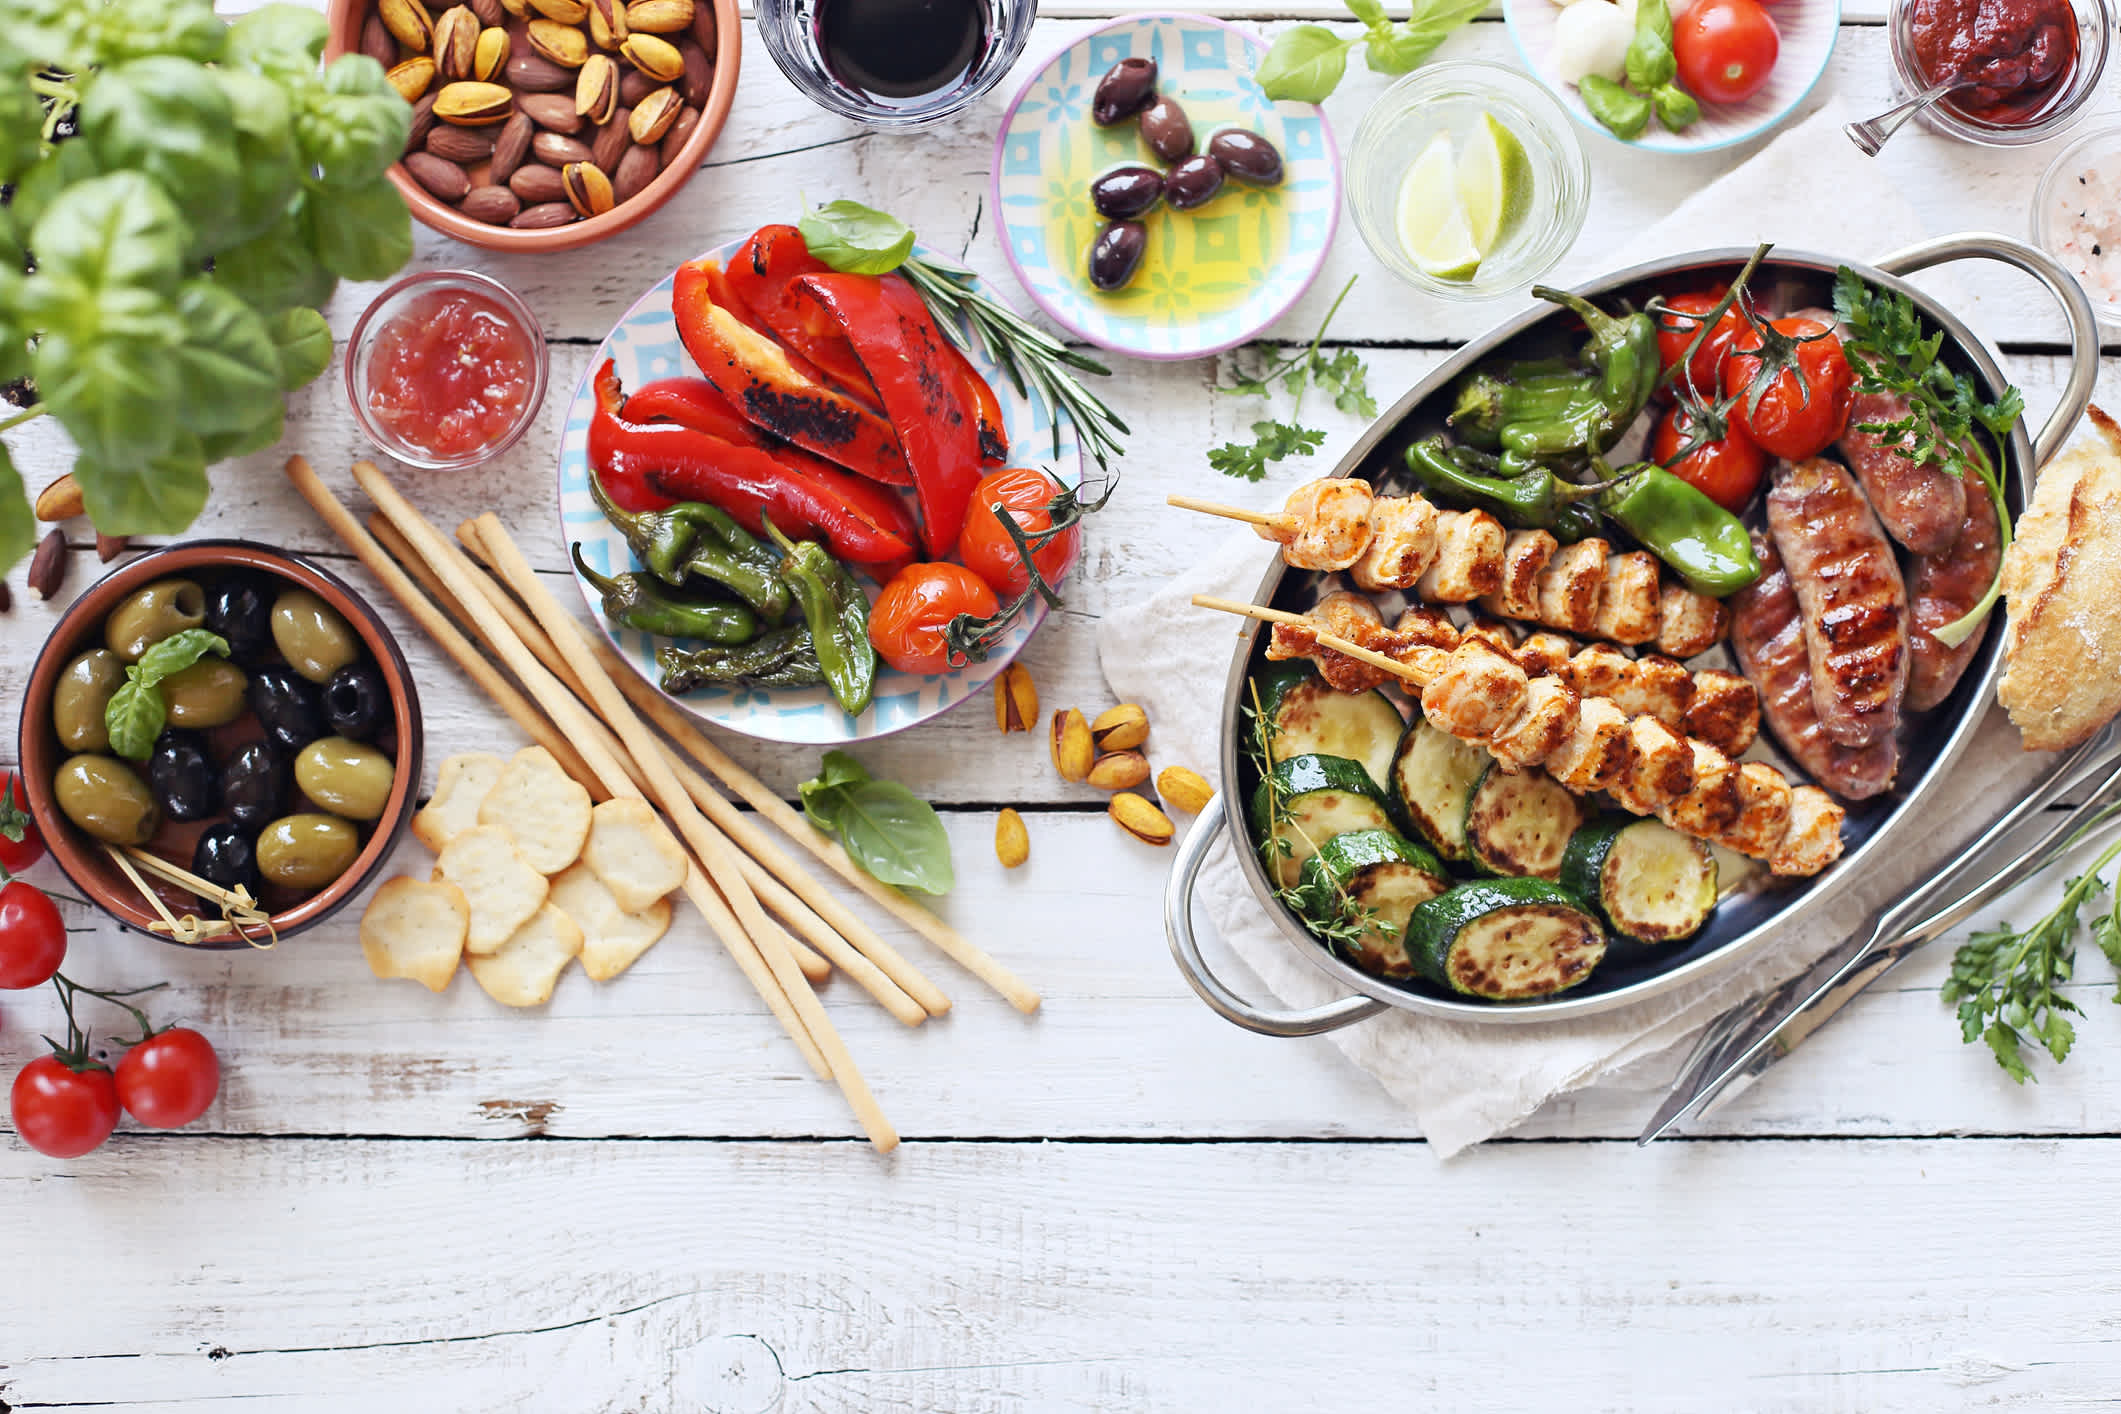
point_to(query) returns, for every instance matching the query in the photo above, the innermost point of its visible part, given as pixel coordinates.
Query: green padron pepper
(643, 603)
(783, 658)
(837, 613)
(694, 540)
(1542, 391)
(1518, 492)
(1705, 544)
(1622, 350)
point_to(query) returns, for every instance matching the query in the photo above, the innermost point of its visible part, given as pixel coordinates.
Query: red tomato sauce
(450, 373)
(2020, 53)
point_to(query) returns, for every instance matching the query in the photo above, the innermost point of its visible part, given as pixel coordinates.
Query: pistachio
(1015, 699)
(443, 178)
(588, 189)
(612, 142)
(471, 104)
(1140, 819)
(1072, 749)
(566, 12)
(490, 56)
(558, 44)
(653, 117)
(488, 11)
(517, 9)
(463, 146)
(61, 500)
(456, 42)
(1185, 791)
(496, 206)
(659, 16)
(544, 216)
(1012, 843)
(407, 21)
(607, 23)
(537, 185)
(510, 148)
(555, 150)
(412, 77)
(1119, 770)
(553, 112)
(674, 145)
(657, 58)
(596, 89)
(377, 42)
(698, 82)
(1120, 728)
(531, 73)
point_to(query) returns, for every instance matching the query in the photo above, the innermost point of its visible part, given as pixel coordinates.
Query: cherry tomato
(907, 620)
(61, 1111)
(1725, 48)
(1727, 470)
(32, 939)
(169, 1079)
(1805, 408)
(18, 855)
(1705, 369)
(985, 547)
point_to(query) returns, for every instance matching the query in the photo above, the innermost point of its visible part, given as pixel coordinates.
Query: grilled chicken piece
(1543, 653)
(1569, 585)
(1763, 811)
(1524, 554)
(1547, 718)
(1468, 558)
(1813, 838)
(1324, 525)
(1595, 752)
(1647, 686)
(1476, 695)
(1660, 768)
(1713, 804)
(1627, 609)
(1345, 615)
(1689, 623)
(1723, 711)
(1403, 543)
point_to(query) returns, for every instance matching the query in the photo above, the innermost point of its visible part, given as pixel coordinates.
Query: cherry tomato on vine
(61, 1111)
(1726, 49)
(1806, 406)
(32, 937)
(169, 1079)
(17, 855)
(907, 620)
(985, 547)
(1673, 335)
(1727, 470)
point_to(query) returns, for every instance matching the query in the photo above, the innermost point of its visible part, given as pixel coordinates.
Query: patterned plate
(645, 347)
(1808, 28)
(1214, 277)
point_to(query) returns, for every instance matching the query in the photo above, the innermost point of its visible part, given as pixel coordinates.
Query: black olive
(254, 786)
(287, 707)
(1167, 129)
(240, 610)
(1246, 156)
(181, 775)
(355, 701)
(1193, 182)
(1117, 253)
(1124, 91)
(226, 856)
(1126, 192)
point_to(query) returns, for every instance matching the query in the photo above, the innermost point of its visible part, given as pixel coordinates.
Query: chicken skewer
(1588, 744)
(1339, 525)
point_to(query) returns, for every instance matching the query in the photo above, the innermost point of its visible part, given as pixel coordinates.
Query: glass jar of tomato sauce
(2035, 64)
(446, 369)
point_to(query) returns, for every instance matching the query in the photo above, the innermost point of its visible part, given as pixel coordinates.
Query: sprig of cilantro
(1341, 373)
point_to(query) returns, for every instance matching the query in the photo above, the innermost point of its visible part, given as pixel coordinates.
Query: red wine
(902, 48)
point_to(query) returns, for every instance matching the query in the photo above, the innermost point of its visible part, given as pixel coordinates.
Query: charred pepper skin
(836, 612)
(783, 658)
(642, 603)
(1490, 401)
(1704, 544)
(693, 540)
(1516, 491)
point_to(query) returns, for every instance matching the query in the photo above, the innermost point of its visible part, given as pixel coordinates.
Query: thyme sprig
(1333, 915)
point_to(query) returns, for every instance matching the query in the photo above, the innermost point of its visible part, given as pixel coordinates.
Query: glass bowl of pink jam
(446, 369)
(2032, 67)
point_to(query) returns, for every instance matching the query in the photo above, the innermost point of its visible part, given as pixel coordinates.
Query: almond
(444, 179)
(423, 121)
(1073, 751)
(1119, 770)
(496, 206)
(554, 112)
(61, 500)
(612, 141)
(463, 146)
(637, 167)
(1012, 842)
(1015, 699)
(537, 184)
(1140, 819)
(555, 150)
(488, 11)
(529, 73)
(510, 148)
(674, 141)
(47, 568)
(1121, 728)
(544, 216)
(109, 547)
(699, 74)
(377, 42)
(704, 33)
(1187, 792)
(634, 86)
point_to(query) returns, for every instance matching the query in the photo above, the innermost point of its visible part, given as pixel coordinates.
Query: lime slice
(1494, 182)
(1432, 219)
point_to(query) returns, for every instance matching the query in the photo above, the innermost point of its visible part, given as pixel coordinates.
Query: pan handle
(2076, 308)
(1185, 950)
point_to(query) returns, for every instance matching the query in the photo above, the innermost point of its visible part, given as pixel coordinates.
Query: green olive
(79, 698)
(147, 616)
(312, 637)
(209, 693)
(306, 851)
(349, 778)
(103, 796)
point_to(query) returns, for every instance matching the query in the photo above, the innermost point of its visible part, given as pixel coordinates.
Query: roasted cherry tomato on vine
(32, 938)
(1726, 49)
(907, 620)
(61, 1111)
(1705, 369)
(984, 544)
(169, 1079)
(1806, 407)
(1727, 470)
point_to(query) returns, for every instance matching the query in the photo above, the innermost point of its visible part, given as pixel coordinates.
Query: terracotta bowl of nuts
(547, 124)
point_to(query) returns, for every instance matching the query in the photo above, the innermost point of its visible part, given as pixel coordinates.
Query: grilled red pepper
(763, 273)
(656, 463)
(754, 374)
(690, 402)
(725, 296)
(898, 343)
(979, 395)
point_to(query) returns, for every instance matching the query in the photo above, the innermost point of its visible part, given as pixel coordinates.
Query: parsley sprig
(1341, 373)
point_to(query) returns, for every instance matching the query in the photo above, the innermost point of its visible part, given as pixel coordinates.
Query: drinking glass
(790, 29)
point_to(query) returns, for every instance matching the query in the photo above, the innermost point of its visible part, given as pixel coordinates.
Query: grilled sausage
(1767, 635)
(1851, 599)
(1920, 503)
(1944, 587)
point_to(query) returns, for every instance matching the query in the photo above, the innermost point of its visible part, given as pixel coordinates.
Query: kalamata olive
(312, 637)
(182, 776)
(1167, 129)
(287, 707)
(1117, 253)
(105, 797)
(1193, 182)
(1246, 156)
(150, 614)
(254, 785)
(355, 701)
(349, 778)
(1124, 91)
(80, 697)
(224, 855)
(1126, 192)
(306, 851)
(209, 693)
(239, 608)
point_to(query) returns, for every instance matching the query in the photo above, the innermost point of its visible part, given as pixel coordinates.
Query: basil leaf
(824, 794)
(361, 233)
(857, 239)
(243, 441)
(168, 119)
(351, 126)
(1370, 12)
(76, 35)
(265, 153)
(176, 653)
(1417, 37)
(276, 269)
(277, 41)
(21, 118)
(227, 368)
(134, 717)
(158, 495)
(896, 836)
(302, 340)
(114, 395)
(1304, 65)
(120, 229)
(18, 524)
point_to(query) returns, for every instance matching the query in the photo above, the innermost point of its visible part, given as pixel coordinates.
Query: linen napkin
(1467, 1082)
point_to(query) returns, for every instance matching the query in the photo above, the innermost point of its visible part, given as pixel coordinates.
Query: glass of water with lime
(1467, 180)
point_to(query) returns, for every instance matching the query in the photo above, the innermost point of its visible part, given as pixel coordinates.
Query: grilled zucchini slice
(1319, 797)
(1505, 940)
(1309, 718)
(1384, 875)
(1653, 884)
(1520, 824)
(1433, 775)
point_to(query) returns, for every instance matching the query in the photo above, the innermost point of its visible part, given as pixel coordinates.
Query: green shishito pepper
(783, 658)
(1515, 490)
(837, 613)
(695, 540)
(642, 602)
(1622, 351)
(1520, 394)
(1705, 544)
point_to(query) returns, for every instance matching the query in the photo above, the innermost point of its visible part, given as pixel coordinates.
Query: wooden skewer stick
(712, 847)
(1217, 508)
(1325, 640)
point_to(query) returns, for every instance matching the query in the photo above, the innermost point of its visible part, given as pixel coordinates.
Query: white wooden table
(636, 1198)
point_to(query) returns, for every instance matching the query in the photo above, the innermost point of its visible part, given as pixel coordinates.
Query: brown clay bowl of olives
(287, 764)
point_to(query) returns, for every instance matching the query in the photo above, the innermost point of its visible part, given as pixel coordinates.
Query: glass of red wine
(895, 63)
